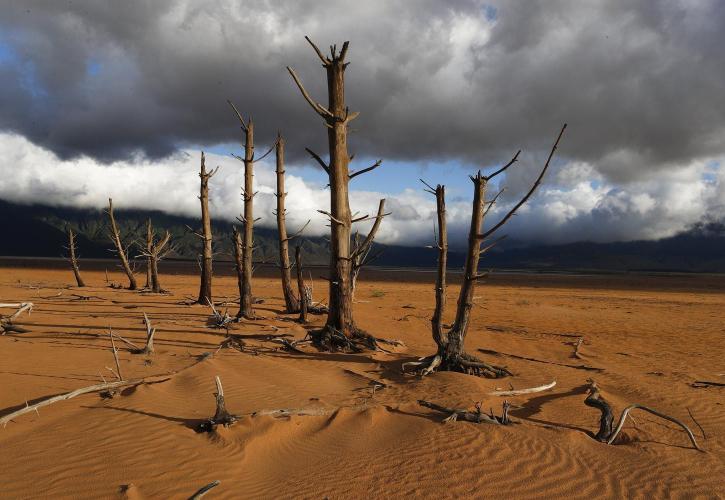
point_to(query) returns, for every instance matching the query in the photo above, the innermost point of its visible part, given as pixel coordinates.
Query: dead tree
(120, 249)
(149, 248)
(207, 256)
(291, 301)
(238, 266)
(246, 300)
(340, 331)
(361, 249)
(73, 257)
(155, 252)
(450, 355)
(302, 289)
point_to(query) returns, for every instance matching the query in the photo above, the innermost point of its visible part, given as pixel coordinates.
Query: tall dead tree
(157, 250)
(205, 296)
(246, 300)
(120, 249)
(450, 355)
(238, 265)
(302, 289)
(149, 246)
(74, 258)
(291, 301)
(340, 331)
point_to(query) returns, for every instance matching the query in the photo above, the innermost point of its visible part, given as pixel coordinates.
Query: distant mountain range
(39, 231)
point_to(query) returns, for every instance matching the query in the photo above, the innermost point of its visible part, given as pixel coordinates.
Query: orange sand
(652, 345)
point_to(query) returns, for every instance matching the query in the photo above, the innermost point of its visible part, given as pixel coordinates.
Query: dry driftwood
(217, 319)
(606, 434)
(204, 490)
(115, 355)
(84, 390)
(6, 322)
(476, 416)
(221, 415)
(518, 392)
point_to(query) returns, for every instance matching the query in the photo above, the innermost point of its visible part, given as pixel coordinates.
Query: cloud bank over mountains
(574, 204)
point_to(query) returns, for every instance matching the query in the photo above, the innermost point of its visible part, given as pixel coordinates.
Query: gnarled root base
(462, 363)
(331, 339)
(221, 416)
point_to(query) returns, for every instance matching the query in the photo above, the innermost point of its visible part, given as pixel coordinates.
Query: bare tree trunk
(157, 252)
(301, 288)
(292, 303)
(340, 326)
(149, 248)
(439, 336)
(205, 296)
(120, 250)
(74, 258)
(237, 243)
(450, 354)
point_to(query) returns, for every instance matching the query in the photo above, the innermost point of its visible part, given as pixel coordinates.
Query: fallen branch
(6, 322)
(605, 433)
(707, 383)
(653, 412)
(115, 355)
(476, 416)
(518, 392)
(84, 390)
(203, 491)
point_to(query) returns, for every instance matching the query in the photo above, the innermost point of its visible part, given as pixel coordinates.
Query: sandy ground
(651, 344)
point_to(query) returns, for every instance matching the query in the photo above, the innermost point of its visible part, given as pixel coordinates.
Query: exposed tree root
(331, 339)
(476, 416)
(606, 434)
(221, 416)
(463, 363)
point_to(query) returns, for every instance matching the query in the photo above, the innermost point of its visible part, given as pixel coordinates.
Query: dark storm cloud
(639, 82)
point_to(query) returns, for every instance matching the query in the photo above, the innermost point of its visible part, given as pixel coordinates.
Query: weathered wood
(156, 251)
(6, 322)
(340, 324)
(519, 392)
(115, 356)
(361, 250)
(150, 331)
(77, 392)
(205, 292)
(606, 433)
(204, 490)
(302, 289)
(477, 417)
(291, 301)
(74, 258)
(221, 415)
(246, 300)
(121, 251)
